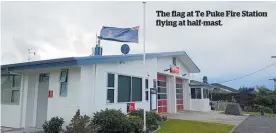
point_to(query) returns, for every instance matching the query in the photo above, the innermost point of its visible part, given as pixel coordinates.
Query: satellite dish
(125, 49)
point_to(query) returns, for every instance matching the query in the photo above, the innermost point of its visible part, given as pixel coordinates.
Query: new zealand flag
(120, 34)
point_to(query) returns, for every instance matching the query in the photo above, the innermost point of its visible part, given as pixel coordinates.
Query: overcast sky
(65, 29)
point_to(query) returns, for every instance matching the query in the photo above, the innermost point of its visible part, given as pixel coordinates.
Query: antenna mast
(30, 52)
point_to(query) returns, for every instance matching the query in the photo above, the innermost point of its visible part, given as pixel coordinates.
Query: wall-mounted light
(167, 69)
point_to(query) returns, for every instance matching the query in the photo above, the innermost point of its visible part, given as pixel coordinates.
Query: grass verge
(184, 126)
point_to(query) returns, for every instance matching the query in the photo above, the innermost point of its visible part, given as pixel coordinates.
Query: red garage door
(162, 93)
(179, 94)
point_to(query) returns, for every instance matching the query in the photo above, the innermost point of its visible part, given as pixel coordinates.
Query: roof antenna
(30, 53)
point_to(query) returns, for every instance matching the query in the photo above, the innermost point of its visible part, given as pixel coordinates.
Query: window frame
(205, 93)
(146, 89)
(130, 88)
(11, 88)
(195, 93)
(63, 82)
(110, 88)
(174, 61)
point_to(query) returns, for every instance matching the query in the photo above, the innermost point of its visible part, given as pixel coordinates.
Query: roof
(217, 85)
(194, 83)
(76, 61)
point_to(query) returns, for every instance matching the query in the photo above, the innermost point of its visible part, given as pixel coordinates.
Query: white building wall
(187, 95)
(85, 92)
(130, 68)
(87, 89)
(11, 114)
(164, 63)
(30, 114)
(64, 107)
(200, 105)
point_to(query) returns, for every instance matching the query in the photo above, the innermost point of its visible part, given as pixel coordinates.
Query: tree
(244, 89)
(262, 90)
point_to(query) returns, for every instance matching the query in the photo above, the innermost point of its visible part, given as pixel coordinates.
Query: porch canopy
(200, 90)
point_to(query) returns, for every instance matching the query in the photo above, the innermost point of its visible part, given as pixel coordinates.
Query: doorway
(162, 93)
(179, 94)
(42, 99)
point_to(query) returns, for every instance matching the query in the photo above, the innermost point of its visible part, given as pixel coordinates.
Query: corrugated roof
(194, 83)
(224, 87)
(76, 61)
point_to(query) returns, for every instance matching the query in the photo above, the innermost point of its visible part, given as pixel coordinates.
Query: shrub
(110, 121)
(134, 124)
(273, 109)
(164, 118)
(266, 109)
(152, 119)
(81, 124)
(137, 112)
(53, 126)
(263, 100)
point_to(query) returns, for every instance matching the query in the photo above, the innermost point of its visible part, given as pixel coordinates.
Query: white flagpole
(144, 61)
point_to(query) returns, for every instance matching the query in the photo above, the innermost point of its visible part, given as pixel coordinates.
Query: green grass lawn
(258, 113)
(184, 126)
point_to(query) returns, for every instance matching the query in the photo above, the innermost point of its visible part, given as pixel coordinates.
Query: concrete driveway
(19, 130)
(257, 124)
(212, 116)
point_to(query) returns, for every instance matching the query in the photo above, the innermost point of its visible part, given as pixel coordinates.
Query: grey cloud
(241, 46)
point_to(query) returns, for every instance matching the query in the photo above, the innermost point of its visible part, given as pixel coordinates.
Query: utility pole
(274, 79)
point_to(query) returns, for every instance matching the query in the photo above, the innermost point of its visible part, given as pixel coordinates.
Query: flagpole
(144, 60)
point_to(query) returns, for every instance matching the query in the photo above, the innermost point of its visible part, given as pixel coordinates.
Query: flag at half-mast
(120, 34)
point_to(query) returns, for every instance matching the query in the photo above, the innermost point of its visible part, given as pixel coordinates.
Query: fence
(243, 98)
(219, 105)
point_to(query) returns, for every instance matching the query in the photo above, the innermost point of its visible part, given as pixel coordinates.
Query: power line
(249, 74)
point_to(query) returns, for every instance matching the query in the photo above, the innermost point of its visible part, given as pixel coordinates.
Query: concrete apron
(20, 130)
(212, 116)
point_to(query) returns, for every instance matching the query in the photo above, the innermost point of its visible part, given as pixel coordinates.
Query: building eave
(76, 61)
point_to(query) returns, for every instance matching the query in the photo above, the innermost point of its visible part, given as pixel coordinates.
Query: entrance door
(42, 100)
(162, 93)
(179, 94)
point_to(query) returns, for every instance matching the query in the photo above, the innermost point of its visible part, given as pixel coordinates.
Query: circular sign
(125, 49)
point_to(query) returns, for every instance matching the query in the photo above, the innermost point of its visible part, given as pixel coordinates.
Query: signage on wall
(51, 93)
(174, 70)
(130, 107)
(153, 91)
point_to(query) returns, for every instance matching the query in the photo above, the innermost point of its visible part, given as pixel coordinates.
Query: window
(147, 83)
(147, 92)
(162, 90)
(147, 95)
(161, 83)
(110, 80)
(174, 61)
(196, 93)
(63, 83)
(10, 89)
(110, 87)
(129, 89)
(205, 93)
